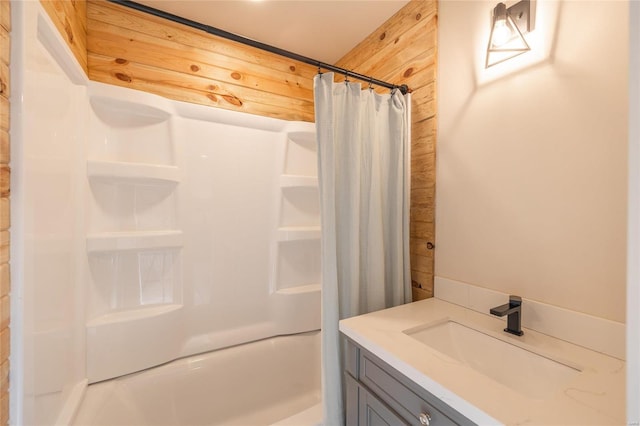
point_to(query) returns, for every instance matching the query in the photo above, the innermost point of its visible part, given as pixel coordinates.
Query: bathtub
(274, 381)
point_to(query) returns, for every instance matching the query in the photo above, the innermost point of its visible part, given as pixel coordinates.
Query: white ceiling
(319, 29)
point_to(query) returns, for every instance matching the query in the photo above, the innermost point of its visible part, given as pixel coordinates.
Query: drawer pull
(425, 419)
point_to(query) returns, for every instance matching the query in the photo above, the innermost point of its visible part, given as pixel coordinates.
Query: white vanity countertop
(596, 396)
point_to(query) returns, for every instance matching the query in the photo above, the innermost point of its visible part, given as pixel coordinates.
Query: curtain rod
(253, 43)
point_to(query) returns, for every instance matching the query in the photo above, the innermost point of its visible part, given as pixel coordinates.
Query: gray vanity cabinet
(377, 394)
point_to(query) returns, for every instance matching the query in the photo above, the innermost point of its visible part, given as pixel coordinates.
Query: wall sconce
(506, 39)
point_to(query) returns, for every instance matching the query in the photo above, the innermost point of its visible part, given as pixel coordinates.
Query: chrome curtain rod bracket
(253, 43)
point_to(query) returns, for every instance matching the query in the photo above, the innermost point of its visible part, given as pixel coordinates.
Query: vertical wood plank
(4, 113)
(4, 344)
(5, 279)
(5, 87)
(5, 15)
(5, 155)
(4, 247)
(4, 408)
(5, 45)
(4, 312)
(5, 214)
(5, 181)
(4, 377)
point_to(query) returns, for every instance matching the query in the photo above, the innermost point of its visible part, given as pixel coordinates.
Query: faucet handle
(514, 301)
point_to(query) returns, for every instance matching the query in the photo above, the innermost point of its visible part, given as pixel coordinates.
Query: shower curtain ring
(319, 70)
(370, 84)
(346, 76)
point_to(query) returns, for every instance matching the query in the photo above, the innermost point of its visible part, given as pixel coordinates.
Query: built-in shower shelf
(133, 314)
(302, 137)
(301, 289)
(132, 172)
(136, 240)
(290, 181)
(124, 341)
(295, 233)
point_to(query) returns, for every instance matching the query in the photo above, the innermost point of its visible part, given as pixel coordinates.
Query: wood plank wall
(133, 49)
(404, 50)
(70, 18)
(5, 88)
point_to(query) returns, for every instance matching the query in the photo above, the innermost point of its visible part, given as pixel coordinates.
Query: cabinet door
(373, 412)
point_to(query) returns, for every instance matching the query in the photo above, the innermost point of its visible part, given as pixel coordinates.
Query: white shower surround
(203, 230)
(145, 229)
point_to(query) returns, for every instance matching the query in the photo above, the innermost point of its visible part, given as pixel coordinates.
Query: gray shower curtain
(363, 168)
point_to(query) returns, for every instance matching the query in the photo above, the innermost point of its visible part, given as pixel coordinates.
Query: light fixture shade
(505, 40)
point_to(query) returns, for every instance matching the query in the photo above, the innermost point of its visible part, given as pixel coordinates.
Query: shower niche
(297, 236)
(133, 243)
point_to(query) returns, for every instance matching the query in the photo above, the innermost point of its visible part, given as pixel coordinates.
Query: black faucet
(514, 311)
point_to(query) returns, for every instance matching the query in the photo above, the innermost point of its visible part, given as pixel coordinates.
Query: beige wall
(531, 167)
(403, 51)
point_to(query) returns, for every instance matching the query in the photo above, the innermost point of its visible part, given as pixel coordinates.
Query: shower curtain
(363, 169)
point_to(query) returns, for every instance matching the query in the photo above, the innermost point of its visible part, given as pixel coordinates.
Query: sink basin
(524, 371)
